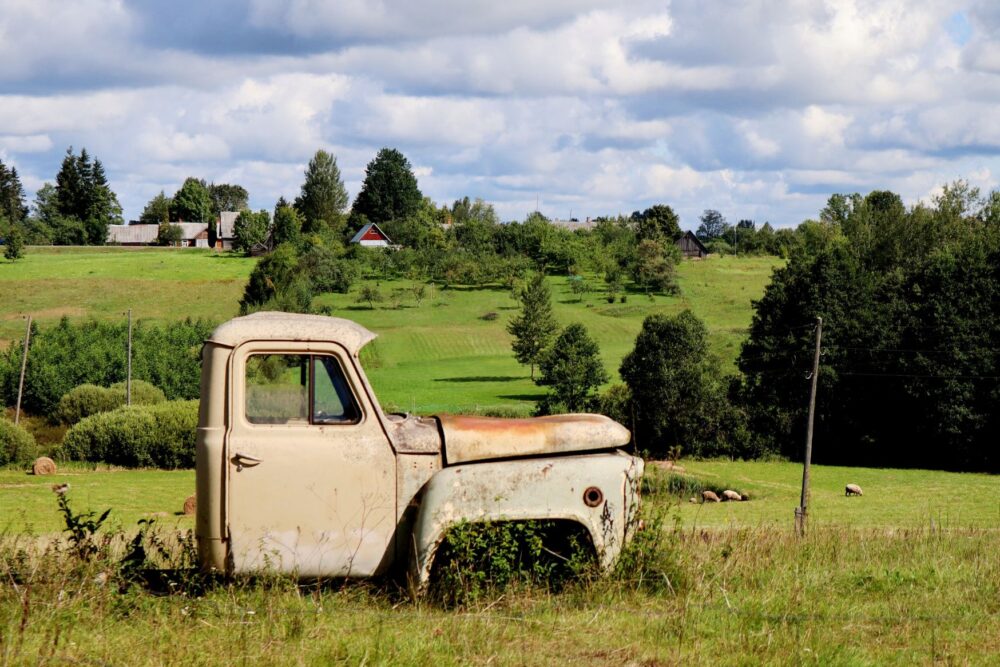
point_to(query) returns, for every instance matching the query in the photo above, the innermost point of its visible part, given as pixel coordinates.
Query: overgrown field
(876, 581)
(436, 355)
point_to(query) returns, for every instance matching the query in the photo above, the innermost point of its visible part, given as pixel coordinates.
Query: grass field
(906, 574)
(435, 356)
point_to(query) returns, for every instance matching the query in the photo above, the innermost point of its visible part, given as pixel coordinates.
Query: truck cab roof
(271, 325)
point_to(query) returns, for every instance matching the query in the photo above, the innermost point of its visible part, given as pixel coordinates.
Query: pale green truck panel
(299, 470)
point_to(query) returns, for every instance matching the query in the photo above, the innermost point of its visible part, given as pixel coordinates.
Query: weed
(484, 559)
(81, 527)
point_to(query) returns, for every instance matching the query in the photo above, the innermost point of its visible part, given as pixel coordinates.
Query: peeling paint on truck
(299, 470)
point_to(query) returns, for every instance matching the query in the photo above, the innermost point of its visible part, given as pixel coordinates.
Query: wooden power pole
(128, 377)
(24, 365)
(801, 510)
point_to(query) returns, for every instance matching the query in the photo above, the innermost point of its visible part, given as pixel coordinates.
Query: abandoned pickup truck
(299, 470)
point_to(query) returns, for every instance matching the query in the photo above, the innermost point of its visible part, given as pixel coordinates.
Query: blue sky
(759, 109)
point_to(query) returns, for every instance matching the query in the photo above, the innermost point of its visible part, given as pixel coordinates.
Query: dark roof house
(371, 235)
(690, 246)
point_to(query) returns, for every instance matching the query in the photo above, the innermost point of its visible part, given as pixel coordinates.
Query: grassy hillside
(435, 356)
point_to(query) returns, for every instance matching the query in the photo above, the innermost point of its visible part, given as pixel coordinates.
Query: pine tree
(323, 198)
(535, 326)
(11, 195)
(14, 245)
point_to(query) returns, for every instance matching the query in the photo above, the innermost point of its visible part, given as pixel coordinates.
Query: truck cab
(299, 470)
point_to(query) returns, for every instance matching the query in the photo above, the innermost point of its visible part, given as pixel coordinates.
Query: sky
(757, 108)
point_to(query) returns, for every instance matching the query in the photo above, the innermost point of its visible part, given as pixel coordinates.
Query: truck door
(311, 474)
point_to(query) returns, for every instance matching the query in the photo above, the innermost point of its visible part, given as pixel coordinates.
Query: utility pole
(128, 378)
(801, 510)
(24, 364)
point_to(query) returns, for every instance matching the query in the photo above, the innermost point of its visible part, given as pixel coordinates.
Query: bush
(161, 436)
(89, 399)
(16, 444)
(67, 355)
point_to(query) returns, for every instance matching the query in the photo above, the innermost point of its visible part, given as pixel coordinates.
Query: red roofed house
(371, 235)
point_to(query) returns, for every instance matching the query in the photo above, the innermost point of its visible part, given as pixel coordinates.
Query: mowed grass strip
(894, 498)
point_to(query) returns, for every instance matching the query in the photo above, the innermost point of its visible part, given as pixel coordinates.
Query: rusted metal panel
(411, 434)
(540, 488)
(481, 438)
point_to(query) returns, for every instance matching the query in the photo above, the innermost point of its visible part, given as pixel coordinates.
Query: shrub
(161, 436)
(68, 354)
(89, 399)
(478, 560)
(16, 444)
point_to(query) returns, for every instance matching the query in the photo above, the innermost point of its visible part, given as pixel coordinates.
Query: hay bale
(191, 505)
(43, 465)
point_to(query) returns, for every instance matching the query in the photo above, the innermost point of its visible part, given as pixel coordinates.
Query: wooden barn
(371, 235)
(690, 246)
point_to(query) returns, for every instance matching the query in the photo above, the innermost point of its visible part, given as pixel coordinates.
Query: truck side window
(298, 389)
(333, 402)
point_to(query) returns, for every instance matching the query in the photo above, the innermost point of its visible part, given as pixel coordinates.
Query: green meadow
(906, 574)
(436, 355)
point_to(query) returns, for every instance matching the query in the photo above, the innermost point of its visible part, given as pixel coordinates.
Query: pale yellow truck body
(300, 471)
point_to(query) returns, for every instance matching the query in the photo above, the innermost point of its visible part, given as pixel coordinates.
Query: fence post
(24, 365)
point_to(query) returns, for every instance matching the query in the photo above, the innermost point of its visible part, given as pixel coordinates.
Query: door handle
(245, 461)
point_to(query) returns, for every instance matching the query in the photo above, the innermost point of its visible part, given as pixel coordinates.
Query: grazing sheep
(853, 490)
(709, 495)
(729, 494)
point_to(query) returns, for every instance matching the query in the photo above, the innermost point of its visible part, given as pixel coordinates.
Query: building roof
(190, 230)
(138, 233)
(273, 325)
(370, 227)
(689, 235)
(573, 225)
(227, 221)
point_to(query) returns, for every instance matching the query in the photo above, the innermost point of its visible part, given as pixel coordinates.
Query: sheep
(709, 495)
(729, 494)
(853, 490)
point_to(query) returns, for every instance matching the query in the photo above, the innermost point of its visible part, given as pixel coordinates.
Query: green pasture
(906, 574)
(437, 355)
(893, 498)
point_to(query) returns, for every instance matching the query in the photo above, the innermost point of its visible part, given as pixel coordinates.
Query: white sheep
(709, 495)
(729, 494)
(853, 490)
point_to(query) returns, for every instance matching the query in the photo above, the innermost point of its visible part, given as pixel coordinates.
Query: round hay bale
(191, 505)
(43, 465)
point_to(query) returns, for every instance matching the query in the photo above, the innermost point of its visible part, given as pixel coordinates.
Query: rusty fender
(598, 491)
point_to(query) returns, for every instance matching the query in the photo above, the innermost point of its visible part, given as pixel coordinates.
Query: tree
(389, 190)
(572, 368)
(323, 197)
(369, 294)
(226, 197)
(191, 203)
(534, 327)
(327, 272)
(287, 225)
(713, 226)
(654, 267)
(277, 283)
(14, 243)
(157, 211)
(11, 195)
(82, 194)
(658, 221)
(251, 230)
(677, 398)
(168, 234)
